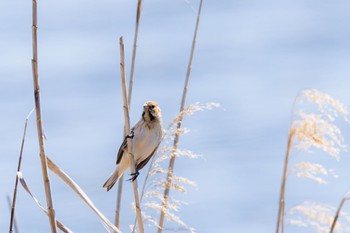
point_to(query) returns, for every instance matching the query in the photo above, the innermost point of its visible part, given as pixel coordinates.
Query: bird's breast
(145, 141)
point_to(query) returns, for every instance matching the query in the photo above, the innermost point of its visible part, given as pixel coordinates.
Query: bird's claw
(134, 176)
(130, 135)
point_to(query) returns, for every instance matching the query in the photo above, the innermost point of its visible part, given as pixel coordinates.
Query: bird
(146, 136)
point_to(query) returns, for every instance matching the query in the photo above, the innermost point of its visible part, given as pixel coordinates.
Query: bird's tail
(113, 178)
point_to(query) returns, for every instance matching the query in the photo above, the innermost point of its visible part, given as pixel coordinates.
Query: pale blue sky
(252, 57)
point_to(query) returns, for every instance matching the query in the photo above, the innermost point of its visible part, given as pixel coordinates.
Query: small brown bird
(146, 136)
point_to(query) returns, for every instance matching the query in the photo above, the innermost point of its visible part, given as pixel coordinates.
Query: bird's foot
(130, 135)
(134, 176)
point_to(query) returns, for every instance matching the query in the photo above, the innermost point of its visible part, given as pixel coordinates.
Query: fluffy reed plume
(318, 217)
(313, 171)
(192, 109)
(156, 179)
(329, 107)
(153, 197)
(312, 130)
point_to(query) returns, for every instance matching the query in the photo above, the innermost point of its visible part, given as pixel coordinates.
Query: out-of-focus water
(252, 57)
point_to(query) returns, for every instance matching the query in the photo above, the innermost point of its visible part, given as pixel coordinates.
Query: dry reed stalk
(144, 186)
(62, 227)
(119, 201)
(49, 202)
(280, 217)
(13, 218)
(155, 168)
(75, 187)
(177, 135)
(129, 140)
(313, 131)
(133, 60)
(344, 199)
(131, 82)
(13, 205)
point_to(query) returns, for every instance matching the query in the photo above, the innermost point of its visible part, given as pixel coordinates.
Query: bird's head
(151, 111)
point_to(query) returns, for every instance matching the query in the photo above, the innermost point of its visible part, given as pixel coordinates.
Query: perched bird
(146, 136)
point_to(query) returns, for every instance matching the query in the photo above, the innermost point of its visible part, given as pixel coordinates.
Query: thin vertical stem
(14, 198)
(43, 158)
(280, 217)
(119, 201)
(131, 82)
(129, 140)
(177, 135)
(13, 218)
(337, 214)
(133, 60)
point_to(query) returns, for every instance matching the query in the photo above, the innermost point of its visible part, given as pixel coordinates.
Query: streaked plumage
(146, 136)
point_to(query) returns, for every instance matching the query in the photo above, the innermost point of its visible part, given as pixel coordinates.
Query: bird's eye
(152, 106)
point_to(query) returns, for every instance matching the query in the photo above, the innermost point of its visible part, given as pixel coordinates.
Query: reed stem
(338, 213)
(280, 217)
(14, 198)
(177, 135)
(129, 140)
(43, 159)
(133, 60)
(119, 201)
(131, 82)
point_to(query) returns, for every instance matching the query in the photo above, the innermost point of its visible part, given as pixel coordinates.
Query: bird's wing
(121, 150)
(124, 145)
(140, 165)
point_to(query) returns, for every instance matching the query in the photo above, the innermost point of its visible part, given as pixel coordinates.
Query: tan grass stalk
(313, 130)
(49, 202)
(119, 201)
(133, 60)
(26, 188)
(144, 186)
(14, 221)
(281, 209)
(343, 200)
(131, 82)
(154, 168)
(176, 139)
(129, 140)
(75, 187)
(13, 205)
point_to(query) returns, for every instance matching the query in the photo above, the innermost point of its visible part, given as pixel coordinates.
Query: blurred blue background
(252, 57)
